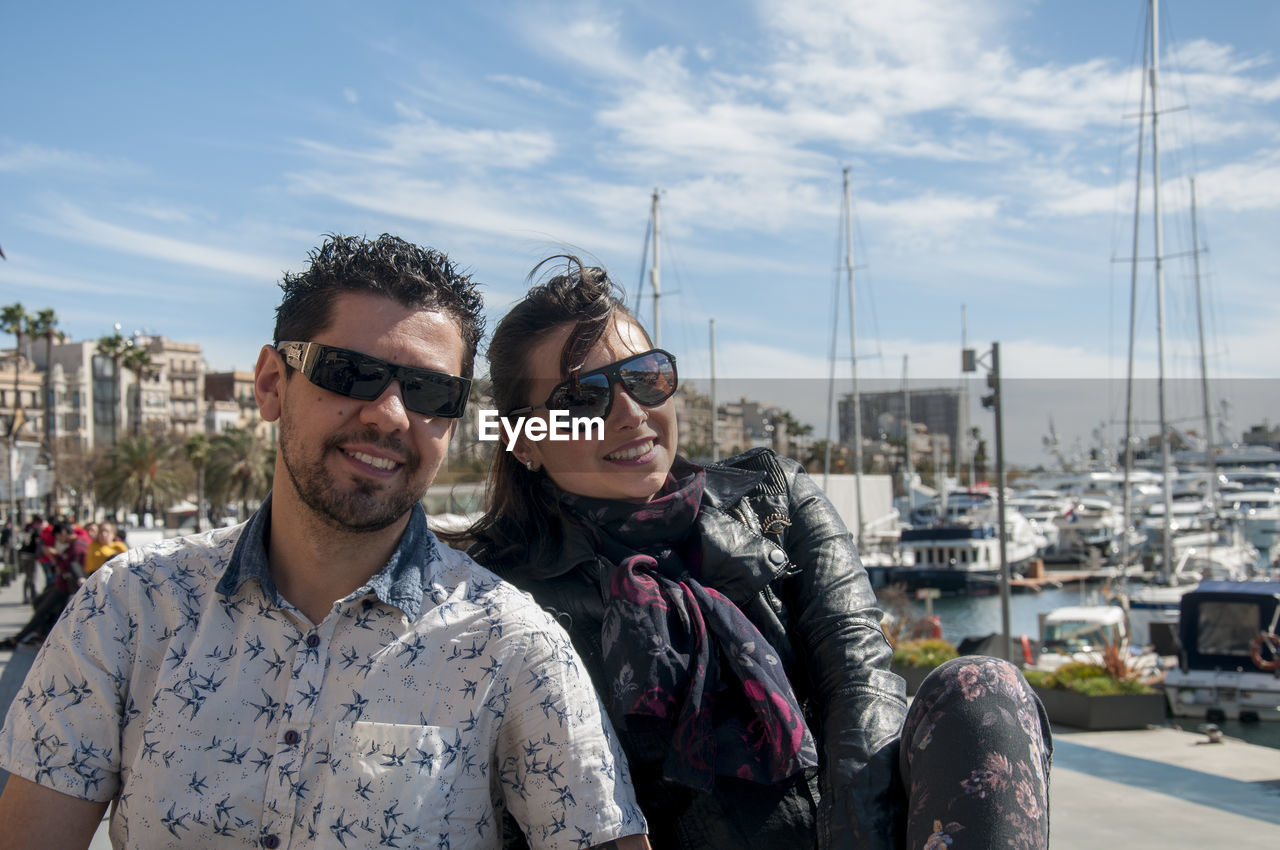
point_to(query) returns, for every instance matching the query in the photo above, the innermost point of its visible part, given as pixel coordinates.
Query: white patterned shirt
(181, 685)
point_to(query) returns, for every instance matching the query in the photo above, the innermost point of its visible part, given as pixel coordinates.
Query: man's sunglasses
(365, 378)
(649, 378)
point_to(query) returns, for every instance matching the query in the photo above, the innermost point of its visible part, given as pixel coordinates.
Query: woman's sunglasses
(649, 378)
(364, 378)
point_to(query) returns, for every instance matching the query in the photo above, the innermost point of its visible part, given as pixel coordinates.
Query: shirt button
(271, 842)
(777, 556)
(291, 738)
(313, 641)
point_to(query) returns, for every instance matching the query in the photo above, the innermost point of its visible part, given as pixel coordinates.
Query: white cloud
(418, 140)
(28, 158)
(158, 210)
(72, 223)
(482, 207)
(1242, 186)
(524, 85)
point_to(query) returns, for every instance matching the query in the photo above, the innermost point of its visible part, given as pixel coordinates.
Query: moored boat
(1229, 653)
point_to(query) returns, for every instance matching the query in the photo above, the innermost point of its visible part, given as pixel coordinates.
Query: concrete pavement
(1155, 788)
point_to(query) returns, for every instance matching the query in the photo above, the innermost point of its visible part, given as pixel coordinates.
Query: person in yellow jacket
(104, 547)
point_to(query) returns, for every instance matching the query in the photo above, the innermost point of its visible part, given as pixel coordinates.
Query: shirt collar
(400, 582)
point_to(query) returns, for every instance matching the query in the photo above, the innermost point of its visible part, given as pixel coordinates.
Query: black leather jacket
(775, 546)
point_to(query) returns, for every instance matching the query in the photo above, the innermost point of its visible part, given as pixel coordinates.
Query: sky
(161, 166)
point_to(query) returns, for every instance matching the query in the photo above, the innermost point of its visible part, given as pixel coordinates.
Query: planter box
(1102, 713)
(913, 676)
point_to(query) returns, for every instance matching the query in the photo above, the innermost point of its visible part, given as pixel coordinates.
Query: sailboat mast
(1127, 495)
(1204, 366)
(907, 432)
(1165, 465)
(715, 409)
(655, 276)
(853, 355)
(962, 450)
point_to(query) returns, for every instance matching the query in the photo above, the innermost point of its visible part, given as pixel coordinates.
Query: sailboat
(876, 536)
(1182, 559)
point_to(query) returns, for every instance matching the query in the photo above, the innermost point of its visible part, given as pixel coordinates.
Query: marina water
(978, 616)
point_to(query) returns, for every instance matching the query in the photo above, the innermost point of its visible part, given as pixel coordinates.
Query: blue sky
(162, 164)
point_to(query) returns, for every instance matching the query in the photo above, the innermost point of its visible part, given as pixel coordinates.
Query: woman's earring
(530, 465)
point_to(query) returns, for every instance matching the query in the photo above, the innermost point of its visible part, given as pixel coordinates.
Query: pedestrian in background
(105, 546)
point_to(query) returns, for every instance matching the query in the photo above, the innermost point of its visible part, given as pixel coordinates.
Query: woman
(726, 620)
(105, 546)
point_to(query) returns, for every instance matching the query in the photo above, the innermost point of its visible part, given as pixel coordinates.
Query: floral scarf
(666, 640)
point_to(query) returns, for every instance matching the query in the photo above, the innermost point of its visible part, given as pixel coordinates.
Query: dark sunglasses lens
(650, 379)
(435, 395)
(350, 374)
(586, 398)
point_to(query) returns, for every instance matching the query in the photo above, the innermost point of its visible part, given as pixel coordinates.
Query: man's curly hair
(416, 277)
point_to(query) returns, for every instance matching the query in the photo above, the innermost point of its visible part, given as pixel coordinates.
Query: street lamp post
(991, 360)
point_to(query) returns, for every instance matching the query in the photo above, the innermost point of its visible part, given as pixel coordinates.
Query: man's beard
(362, 506)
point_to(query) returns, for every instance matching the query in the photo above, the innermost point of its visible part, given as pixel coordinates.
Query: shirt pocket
(410, 785)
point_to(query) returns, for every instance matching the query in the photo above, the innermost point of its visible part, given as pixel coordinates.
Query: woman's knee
(972, 685)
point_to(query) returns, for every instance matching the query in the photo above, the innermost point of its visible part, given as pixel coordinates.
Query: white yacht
(954, 543)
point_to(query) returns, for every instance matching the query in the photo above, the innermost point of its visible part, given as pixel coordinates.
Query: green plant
(924, 653)
(1038, 678)
(1087, 679)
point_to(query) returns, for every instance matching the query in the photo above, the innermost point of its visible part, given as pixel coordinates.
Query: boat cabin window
(1079, 636)
(1226, 628)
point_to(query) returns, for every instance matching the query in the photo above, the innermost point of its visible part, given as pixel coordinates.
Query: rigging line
(868, 284)
(835, 332)
(674, 265)
(1173, 46)
(644, 264)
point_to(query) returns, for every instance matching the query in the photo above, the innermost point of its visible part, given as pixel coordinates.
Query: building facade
(884, 417)
(179, 370)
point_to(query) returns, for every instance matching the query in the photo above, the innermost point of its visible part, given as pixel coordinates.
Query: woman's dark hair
(516, 502)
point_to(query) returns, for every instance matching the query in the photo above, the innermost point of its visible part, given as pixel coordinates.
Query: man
(29, 555)
(326, 674)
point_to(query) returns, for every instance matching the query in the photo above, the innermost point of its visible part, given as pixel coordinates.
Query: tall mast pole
(962, 450)
(908, 432)
(1166, 465)
(715, 416)
(655, 275)
(853, 356)
(1204, 365)
(1127, 495)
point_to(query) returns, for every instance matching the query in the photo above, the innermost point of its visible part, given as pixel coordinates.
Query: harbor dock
(1155, 788)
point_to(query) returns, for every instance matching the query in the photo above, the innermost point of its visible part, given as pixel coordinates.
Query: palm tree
(138, 361)
(239, 470)
(142, 471)
(113, 348)
(197, 448)
(13, 320)
(45, 324)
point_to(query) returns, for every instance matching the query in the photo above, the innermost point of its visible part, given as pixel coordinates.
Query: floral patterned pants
(975, 759)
